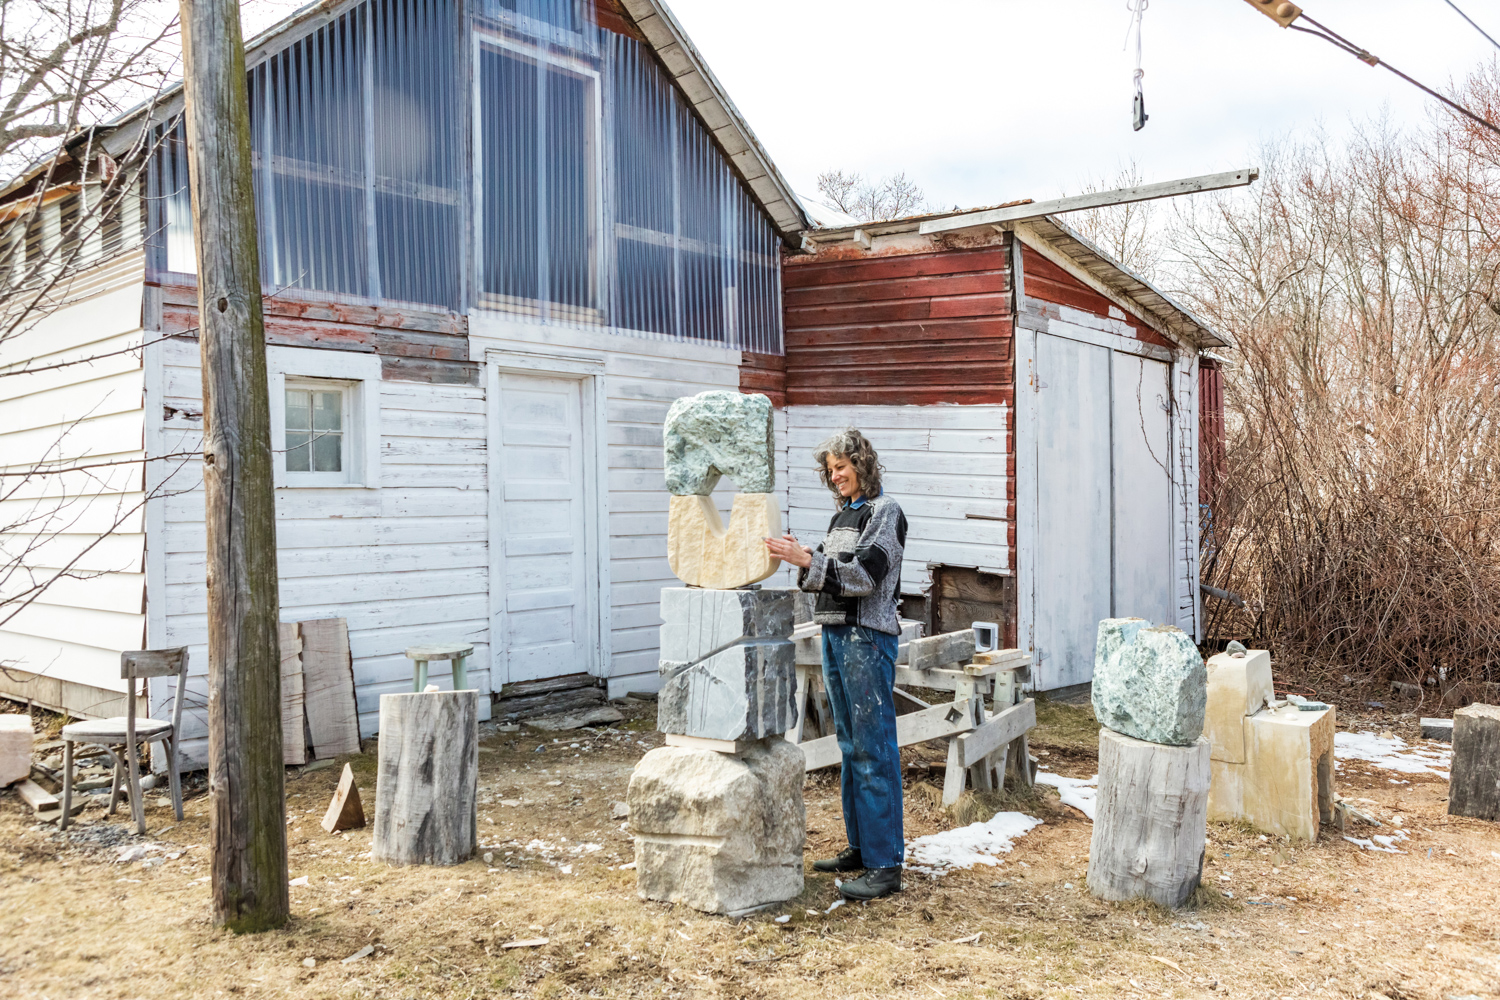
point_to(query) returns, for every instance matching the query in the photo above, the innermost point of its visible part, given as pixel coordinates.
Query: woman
(855, 572)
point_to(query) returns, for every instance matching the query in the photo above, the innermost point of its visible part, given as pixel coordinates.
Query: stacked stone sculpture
(717, 814)
(708, 436)
(1272, 763)
(1151, 820)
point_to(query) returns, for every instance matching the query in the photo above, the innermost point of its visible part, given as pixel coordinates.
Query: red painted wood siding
(1211, 434)
(414, 345)
(908, 329)
(1044, 280)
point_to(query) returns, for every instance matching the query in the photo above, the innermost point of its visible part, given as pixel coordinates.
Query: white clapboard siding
(945, 465)
(642, 378)
(405, 563)
(80, 532)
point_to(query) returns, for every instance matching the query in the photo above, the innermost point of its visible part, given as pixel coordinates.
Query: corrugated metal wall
(595, 196)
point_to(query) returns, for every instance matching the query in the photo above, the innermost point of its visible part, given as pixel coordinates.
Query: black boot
(848, 860)
(873, 884)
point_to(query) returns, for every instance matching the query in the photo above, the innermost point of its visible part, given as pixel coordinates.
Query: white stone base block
(15, 747)
(719, 833)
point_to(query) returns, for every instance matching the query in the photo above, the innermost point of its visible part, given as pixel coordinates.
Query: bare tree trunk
(246, 775)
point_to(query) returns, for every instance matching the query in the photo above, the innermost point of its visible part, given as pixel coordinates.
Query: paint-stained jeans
(859, 671)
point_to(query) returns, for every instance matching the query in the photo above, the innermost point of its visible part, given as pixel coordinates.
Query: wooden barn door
(1103, 538)
(544, 512)
(1073, 534)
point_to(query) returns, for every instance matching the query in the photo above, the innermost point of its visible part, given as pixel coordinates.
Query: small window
(317, 436)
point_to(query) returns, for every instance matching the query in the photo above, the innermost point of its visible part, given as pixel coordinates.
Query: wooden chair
(127, 732)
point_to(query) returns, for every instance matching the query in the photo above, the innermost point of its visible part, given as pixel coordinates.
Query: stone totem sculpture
(717, 813)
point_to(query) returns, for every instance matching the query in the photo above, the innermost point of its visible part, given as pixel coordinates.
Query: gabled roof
(651, 18)
(1069, 249)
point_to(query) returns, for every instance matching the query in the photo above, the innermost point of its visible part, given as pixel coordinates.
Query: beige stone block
(15, 747)
(1285, 785)
(705, 552)
(1237, 687)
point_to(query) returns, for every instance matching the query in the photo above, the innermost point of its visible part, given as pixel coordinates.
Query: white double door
(547, 613)
(1103, 499)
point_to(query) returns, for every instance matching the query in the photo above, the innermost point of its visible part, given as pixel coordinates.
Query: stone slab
(1238, 686)
(1474, 788)
(15, 747)
(1285, 785)
(697, 621)
(719, 433)
(1150, 682)
(703, 551)
(719, 833)
(747, 691)
(1438, 729)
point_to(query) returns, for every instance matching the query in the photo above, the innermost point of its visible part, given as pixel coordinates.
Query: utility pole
(246, 774)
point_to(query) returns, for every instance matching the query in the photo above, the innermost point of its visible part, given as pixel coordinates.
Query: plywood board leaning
(328, 687)
(293, 724)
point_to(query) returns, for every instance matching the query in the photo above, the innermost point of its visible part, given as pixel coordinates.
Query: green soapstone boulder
(719, 433)
(1150, 682)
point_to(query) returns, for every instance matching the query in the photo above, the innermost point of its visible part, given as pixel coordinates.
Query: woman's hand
(789, 550)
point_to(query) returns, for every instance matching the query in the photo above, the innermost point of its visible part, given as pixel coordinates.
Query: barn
(496, 243)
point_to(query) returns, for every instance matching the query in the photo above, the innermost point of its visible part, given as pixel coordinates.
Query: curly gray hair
(851, 444)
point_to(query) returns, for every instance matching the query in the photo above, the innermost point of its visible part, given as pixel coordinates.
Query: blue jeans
(859, 671)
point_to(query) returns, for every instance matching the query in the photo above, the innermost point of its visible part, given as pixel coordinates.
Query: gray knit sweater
(856, 571)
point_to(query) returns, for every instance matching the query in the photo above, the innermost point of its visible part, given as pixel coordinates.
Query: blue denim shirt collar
(857, 504)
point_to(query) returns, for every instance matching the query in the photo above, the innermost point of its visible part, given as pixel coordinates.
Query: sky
(983, 101)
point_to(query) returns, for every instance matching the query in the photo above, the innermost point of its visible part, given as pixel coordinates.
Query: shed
(1035, 405)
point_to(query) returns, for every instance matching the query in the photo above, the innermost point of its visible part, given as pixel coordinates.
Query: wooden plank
(293, 709)
(547, 685)
(704, 743)
(996, 732)
(941, 650)
(35, 796)
(934, 723)
(1098, 199)
(941, 680)
(806, 272)
(328, 687)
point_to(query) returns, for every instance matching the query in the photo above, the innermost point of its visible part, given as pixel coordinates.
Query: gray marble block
(719, 433)
(727, 664)
(1150, 682)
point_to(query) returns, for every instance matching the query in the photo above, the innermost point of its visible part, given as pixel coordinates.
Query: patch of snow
(1393, 754)
(975, 844)
(1079, 793)
(1377, 842)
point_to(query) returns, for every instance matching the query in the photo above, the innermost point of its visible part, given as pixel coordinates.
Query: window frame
(357, 375)
(540, 309)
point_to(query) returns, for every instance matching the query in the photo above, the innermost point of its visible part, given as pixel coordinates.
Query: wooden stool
(456, 652)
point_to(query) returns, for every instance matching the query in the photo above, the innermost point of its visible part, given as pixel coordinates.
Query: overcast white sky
(982, 101)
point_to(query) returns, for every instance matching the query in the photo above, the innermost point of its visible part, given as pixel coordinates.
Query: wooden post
(427, 788)
(1151, 821)
(246, 775)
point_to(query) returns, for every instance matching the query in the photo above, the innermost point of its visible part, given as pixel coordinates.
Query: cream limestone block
(704, 552)
(1237, 687)
(1285, 786)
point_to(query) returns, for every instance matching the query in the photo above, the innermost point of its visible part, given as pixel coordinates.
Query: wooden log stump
(1151, 821)
(427, 788)
(1475, 786)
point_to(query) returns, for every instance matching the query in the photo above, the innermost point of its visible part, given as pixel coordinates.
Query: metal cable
(1364, 55)
(1476, 27)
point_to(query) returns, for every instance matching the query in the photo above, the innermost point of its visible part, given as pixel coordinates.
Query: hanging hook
(1137, 9)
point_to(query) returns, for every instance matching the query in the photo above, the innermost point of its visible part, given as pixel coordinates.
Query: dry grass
(1418, 925)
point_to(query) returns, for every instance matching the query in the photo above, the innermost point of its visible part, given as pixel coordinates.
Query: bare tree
(63, 66)
(1357, 516)
(893, 197)
(1131, 234)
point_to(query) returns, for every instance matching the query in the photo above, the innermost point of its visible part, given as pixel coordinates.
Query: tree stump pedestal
(1151, 821)
(427, 789)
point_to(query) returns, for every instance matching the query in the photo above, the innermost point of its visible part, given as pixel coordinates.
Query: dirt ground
(1317, 920)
